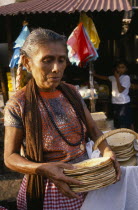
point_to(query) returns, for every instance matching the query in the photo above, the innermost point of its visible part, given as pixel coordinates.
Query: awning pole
(92, 102)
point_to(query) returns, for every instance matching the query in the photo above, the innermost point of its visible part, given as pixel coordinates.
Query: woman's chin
(50, 87)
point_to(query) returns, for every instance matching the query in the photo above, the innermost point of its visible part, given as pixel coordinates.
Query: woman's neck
(47, 89)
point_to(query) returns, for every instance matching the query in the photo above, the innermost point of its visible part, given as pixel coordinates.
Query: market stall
(36, 12)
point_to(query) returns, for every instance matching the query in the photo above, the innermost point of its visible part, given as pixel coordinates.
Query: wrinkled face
(121, 69)
(47, 65)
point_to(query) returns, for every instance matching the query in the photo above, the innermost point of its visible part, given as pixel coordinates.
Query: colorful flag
(90, 28)
(80, 48)
(17, 45)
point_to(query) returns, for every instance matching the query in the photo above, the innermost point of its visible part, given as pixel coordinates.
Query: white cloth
(90, 152)
(120, 98)
(120, 196)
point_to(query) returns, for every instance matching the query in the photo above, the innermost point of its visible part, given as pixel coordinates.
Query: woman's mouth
(54, 78)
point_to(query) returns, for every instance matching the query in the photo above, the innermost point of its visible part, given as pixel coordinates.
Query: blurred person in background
(122, 113)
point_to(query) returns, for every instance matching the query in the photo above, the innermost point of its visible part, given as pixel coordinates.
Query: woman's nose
(55, 67)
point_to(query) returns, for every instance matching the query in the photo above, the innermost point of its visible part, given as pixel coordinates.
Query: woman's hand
(54, 172)
(109, 153)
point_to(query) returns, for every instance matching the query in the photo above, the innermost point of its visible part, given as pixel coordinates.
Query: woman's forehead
(51, 48)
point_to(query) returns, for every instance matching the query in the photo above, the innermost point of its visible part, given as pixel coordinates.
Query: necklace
(60, 133)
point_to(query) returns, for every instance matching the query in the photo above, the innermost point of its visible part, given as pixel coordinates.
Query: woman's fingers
(60, 176)
(66, 166)
(65, 189)
(111, 154)
(70, 180)
(117, 168)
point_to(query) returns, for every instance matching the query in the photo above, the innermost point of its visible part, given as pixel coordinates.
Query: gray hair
(38, 37)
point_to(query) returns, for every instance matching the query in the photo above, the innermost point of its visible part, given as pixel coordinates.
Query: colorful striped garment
(54, 147)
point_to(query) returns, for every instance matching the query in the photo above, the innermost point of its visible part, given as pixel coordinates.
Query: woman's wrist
(104, 147)
(108, 152)
(41, 169)
(107, 149)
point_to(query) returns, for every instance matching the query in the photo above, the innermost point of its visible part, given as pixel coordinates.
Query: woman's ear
(26, 62)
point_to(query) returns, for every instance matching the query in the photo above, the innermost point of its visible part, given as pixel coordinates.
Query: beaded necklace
(56, 127)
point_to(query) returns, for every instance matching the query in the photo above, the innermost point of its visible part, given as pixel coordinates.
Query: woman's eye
(62, 61)
(46, 61)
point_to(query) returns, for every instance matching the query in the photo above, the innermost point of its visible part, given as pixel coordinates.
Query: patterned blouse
(54, 147)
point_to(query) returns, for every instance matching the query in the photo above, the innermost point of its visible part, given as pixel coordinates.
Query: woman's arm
(12, 157)
(53, 171)
(94, 132)
(104, 148)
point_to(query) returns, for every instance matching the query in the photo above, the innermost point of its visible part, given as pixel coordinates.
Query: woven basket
(110, 133)
(121, 142)
(98, 176)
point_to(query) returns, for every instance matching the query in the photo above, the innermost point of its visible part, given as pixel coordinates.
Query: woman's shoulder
(69, 86)
(14, 109)
(18, 97)
(72, 89)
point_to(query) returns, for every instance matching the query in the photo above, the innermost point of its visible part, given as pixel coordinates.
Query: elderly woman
(50, 119)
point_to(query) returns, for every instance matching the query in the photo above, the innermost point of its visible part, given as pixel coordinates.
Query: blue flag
(17, 45)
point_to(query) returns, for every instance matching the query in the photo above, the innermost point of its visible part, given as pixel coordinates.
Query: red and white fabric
(53, 199)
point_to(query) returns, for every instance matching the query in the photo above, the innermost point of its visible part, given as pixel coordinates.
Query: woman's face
(47, 65)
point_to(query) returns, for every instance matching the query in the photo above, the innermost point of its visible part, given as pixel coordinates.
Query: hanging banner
(91, 29)
(81, 49)
(17, 45)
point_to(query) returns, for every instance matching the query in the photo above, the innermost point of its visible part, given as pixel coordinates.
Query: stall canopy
(68, 6)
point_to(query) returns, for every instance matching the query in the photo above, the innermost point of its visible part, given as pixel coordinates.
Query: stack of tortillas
(131, 162)
(123, 146)
(122, 143)
(93, 173)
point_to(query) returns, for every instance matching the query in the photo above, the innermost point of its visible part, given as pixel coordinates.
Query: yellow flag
(90, 28)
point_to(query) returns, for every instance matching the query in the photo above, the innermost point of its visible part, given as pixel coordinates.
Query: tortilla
(120, 139)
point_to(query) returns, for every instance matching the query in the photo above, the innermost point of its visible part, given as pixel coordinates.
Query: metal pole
(92, 102)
